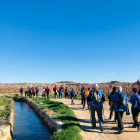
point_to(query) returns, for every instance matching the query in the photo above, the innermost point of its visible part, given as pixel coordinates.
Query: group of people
(68, 94)
(118, 102)
(31, 92)
(61, 91)
(94, 97)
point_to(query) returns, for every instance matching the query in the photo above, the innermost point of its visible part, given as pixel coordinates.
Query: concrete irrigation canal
(28, 125)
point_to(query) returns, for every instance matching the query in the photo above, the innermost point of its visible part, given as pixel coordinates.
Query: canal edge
(7, 130)
(53, 125)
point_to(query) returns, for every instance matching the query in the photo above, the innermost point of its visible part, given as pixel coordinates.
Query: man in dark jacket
(66, 92)
(21, 91)
(37, 91)
(61, 90)
(30, 92)
(73, 94)
(120, 109)
(114, 90)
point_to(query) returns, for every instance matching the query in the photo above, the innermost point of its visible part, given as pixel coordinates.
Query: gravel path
(110, 133)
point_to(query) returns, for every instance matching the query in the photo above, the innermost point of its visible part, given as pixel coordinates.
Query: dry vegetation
(105, 87)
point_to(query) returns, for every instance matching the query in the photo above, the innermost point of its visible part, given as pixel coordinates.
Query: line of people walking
(118, 102)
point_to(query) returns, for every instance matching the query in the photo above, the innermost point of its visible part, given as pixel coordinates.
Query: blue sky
(81, 41)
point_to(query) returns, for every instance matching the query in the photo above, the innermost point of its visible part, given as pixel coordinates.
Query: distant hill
(65, 82)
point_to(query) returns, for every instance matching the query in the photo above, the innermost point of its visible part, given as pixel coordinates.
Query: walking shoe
(101, 127)
(93, 127)
(120, 131)
(134, 126)
(115, 120)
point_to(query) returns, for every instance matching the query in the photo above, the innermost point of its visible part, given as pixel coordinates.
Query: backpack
(137, 99)
(96, 97)
(21, 89)
(47, 90)
(121, 101)
(66, 90)
(36, 89)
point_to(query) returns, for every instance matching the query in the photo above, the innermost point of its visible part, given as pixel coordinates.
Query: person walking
(26, 92)
(55, 89)
(84, 97)
(33, 91)
(135, 101)
(30, 92)
(97, 99)
(81, 94)
(119, 102)
(61, 90)
(114, 90)
(21, 91)
(48, 91)
(43, 92)
(88, 99)
(36, 91)
(72, 94)
(66, 92)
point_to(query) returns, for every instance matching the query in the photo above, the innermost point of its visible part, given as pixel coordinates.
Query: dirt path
(110, 133)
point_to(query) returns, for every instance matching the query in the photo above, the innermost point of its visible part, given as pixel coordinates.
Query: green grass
(71, 133)
(4, 108)
(71, 127)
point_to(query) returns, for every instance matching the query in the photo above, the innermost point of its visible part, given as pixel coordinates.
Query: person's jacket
(61, 90)
(72, 93)
(55, 89)
(26, 90)
(87, 93)
(110, 97)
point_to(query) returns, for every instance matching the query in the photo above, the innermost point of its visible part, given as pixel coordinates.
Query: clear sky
(75, 40)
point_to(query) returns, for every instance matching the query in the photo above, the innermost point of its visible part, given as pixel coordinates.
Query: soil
(110, 127)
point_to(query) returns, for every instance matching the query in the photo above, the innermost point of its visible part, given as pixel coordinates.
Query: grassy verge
(5, 103)
(52, 96)
(71, 127)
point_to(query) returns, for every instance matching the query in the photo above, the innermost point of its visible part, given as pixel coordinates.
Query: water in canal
(27, 125)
